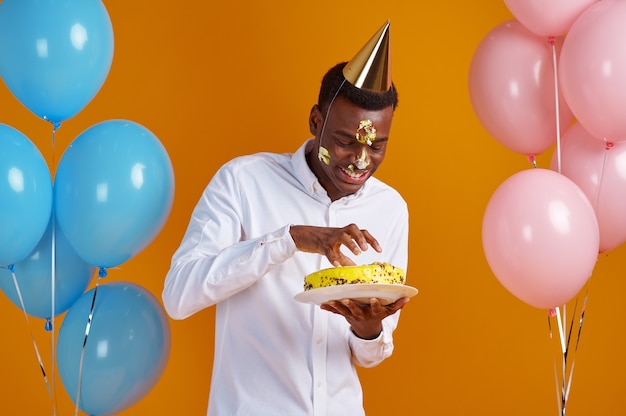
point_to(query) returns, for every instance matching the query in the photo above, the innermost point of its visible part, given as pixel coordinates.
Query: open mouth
(355, 174)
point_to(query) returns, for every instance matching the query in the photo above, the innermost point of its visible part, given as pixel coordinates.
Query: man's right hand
(328, 241)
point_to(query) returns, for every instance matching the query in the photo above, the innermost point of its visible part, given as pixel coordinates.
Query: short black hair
(335, 83)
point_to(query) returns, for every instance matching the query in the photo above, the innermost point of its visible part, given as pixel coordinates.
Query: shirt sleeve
(370, 353)
(214, 261)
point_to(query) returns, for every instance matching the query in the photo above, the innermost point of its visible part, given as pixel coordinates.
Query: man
(267, 220)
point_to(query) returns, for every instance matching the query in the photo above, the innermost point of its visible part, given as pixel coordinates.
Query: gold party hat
(370, 68)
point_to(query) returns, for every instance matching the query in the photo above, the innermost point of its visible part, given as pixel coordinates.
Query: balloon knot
(11, 268)
(551, 40)
(48, 325)
(102, 272)
(609, 145)
(531, 159)
(55, 124)
(552, 313)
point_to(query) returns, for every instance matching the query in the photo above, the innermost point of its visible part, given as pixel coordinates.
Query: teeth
(353, 174)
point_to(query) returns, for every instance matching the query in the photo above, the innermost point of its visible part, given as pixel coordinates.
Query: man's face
(351, 146)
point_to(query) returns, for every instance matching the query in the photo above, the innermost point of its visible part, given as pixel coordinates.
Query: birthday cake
(375, 273)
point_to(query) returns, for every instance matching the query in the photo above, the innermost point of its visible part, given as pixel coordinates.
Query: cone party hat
(370, 68)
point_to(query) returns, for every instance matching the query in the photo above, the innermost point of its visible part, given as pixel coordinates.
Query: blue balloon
(34, 276)
(126, 351)
(113, 191)
(25, 195)
(55, 54)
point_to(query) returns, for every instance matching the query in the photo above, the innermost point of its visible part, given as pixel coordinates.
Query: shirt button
(319, 340)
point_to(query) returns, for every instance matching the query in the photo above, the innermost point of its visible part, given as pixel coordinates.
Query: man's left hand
(365, 319)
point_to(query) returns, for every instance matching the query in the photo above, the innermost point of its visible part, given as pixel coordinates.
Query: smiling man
(351, 142)
(267, 220)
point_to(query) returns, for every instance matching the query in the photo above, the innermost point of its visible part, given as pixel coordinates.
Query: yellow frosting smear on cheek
(323, 155)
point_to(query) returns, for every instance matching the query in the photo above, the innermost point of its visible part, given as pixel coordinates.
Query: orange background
(216, 79)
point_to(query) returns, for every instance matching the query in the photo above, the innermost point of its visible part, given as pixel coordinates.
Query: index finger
(372, 241)
(337, 258)
(362, 238)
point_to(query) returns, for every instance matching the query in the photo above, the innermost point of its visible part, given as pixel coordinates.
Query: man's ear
(315, 120)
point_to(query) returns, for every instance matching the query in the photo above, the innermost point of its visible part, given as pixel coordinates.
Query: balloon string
(556, 373)
(55, 126)
(564, 319)
(560, 396)
(53, 307)
(101, 273)
(556, 103)
(53, 155)
(41, 366)
(596, 204)
(50, 324)
(556, 313)
(563, 390)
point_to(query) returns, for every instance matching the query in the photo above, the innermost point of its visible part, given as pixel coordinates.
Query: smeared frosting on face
(366, 132)
(323, 155)
(362, 162)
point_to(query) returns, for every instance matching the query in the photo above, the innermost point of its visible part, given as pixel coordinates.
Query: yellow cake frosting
(379, 273)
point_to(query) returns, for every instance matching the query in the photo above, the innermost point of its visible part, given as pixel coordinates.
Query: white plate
(361, 293)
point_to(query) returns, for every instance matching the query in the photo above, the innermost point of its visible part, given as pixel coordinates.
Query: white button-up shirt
(274, 355)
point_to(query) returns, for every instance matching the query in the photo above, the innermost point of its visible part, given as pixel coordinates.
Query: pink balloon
(511, 87)
(599, 170)
(593, 69)
(540, 237)
(548, 17)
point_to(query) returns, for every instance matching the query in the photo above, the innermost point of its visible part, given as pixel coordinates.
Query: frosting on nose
(362, 162)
